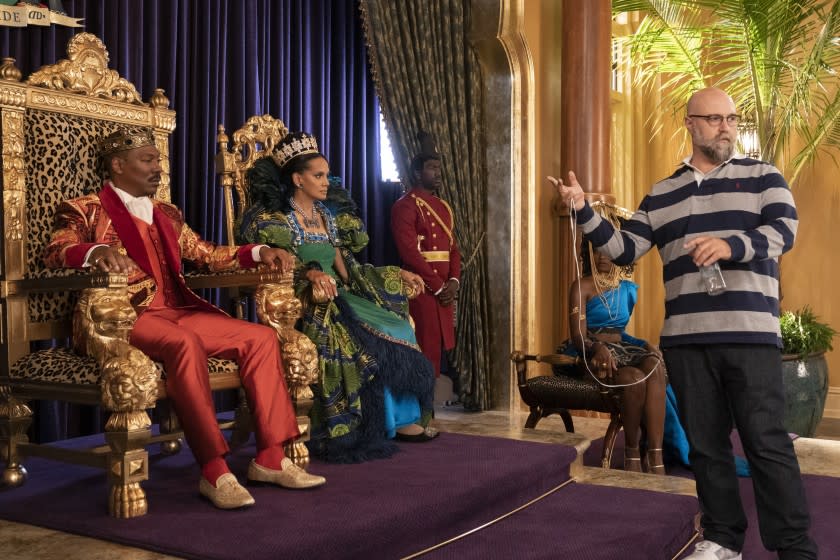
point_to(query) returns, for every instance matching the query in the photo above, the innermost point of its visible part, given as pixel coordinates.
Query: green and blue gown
(373, 377)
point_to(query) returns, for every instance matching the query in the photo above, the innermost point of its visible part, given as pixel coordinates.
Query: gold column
(584, 115)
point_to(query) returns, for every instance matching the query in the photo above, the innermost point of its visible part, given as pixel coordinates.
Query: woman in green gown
(374, 384)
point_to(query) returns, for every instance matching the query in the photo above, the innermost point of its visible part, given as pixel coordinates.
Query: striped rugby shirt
(744, 201)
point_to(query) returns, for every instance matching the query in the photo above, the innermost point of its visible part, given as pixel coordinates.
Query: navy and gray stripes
(744, 201)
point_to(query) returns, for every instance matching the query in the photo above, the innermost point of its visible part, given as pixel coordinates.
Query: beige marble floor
(816, 456)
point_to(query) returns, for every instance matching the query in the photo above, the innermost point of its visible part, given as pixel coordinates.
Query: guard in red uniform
(123, 229)
(422, 225)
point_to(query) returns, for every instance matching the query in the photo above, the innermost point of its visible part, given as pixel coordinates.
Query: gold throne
(48, 126)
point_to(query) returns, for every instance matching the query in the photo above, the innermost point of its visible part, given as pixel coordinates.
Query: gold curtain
(428, 77)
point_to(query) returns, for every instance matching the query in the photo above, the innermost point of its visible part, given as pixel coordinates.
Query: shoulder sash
(423, 204)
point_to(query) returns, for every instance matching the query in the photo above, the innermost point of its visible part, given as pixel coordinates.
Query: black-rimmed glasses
(715, 120)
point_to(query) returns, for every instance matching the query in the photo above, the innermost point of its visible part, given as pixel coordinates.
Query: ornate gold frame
(83, 85)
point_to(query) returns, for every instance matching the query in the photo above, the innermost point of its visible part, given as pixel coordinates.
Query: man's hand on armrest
(108, 259)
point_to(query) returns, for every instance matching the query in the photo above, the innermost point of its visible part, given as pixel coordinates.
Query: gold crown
(284, 153)
(123, 140)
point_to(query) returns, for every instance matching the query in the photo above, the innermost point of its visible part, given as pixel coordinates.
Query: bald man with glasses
(721, 344)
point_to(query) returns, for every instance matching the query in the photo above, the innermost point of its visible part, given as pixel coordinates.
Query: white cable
(572, 222)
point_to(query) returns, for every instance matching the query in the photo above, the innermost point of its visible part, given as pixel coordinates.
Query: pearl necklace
(312, 222)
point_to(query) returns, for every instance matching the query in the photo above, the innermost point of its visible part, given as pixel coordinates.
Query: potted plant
(805, 373)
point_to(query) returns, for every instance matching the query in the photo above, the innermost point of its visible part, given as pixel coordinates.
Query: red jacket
(103, 219)
(422, 225)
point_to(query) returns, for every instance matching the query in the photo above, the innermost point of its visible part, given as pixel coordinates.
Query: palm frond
(778, 59)
(819, 135)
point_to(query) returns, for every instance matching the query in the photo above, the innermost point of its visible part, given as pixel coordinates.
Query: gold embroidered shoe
(227, 494)
(291, 476)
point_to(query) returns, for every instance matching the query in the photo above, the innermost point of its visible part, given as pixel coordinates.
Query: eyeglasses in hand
(715, 120)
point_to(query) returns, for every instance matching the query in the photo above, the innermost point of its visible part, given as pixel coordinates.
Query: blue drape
(220, 62)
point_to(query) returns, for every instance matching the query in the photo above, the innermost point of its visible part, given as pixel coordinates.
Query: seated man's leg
(158, 334)
(257, 351)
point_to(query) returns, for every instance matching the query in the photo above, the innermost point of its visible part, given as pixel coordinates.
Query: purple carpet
(584, 522)
(389, 508)
(823, 496)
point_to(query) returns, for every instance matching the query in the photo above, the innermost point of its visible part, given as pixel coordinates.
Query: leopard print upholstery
(61, 163)
(61, 365)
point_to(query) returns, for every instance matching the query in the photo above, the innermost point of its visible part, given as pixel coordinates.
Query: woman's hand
(413, 282)
(324, 282)
(654, 350)
(277, 258)
(602, 363)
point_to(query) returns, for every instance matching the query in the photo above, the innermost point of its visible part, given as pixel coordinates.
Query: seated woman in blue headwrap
(374, 384)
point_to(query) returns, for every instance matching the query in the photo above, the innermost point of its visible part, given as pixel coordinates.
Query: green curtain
(428, 78)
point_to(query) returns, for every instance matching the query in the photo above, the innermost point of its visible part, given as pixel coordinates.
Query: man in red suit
(122, 228)
(422, 225)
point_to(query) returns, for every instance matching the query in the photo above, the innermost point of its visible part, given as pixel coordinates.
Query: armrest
(409, 292)
(391, 271)
(70, 283)
(237, 279)
(102, 323)
(278, 308)
(554, 359)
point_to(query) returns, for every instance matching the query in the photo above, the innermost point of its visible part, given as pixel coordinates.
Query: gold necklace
(608, 281)
(604, 281)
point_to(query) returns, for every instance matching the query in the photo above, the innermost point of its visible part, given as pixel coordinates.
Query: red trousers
(434, 327)
(182, 339)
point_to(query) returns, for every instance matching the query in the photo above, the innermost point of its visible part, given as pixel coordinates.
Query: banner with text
(28, 14)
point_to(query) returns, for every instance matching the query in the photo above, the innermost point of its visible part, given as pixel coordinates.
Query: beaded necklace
(301, 235)
(308, 222)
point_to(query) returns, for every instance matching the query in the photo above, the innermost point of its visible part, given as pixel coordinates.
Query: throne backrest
(254, 140)
(49, 125)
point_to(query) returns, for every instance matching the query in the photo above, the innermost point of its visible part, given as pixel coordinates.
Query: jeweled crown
(123, 140)
(286, 152)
